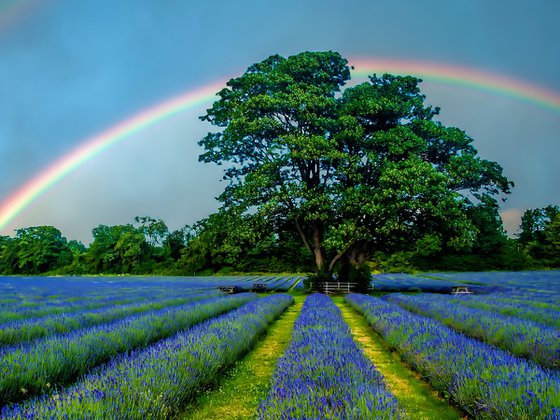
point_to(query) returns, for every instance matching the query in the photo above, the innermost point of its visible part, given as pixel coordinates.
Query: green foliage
(155, 230)
(539, 235)
(551, 243)
(8, 255)
(174, 243)
(121, 249)
(34, 250)
(117, 250)
(534, 222)
(397, 262)
(231, 241)
(428, 245)
(351, 173)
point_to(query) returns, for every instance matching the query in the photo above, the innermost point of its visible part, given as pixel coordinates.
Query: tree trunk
(351, 267)
(358, 254)
(318, 250)
(344, 270)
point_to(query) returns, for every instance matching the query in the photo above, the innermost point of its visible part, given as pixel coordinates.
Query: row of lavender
(24, 298)
(48, 294)
(534, 286)
(28, 329)
(323, 374)
(158, 381)
(485, 381)
(55, 361)
(276, 283)
(537, 288)
(520, 307)
(521, 337)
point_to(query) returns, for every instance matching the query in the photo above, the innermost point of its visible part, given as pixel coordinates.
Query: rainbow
(93, 146)
(461, 76)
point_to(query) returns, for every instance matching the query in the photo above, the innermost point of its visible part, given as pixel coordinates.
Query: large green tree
(352, 171)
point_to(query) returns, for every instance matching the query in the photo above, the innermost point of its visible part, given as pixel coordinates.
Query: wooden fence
(335, 287)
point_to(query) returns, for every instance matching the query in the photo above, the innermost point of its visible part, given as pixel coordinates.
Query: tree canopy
(352, 171)
(540, 234)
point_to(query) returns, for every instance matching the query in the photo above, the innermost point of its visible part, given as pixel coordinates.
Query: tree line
(227, 243)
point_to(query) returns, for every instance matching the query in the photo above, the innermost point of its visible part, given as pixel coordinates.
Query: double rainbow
(94, 146)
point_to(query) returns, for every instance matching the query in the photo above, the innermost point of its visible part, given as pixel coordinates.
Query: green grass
(243, 387)
(418, 399)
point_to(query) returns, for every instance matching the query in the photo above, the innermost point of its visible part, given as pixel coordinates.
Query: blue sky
(73, 68)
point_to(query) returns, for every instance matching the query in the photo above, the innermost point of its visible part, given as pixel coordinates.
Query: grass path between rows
(239, 393)
(418, 399)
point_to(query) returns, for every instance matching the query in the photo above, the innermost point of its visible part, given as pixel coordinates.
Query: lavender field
(135, 347)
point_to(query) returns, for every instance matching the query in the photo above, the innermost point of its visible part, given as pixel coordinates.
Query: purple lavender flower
(486, 382)
(324, 374)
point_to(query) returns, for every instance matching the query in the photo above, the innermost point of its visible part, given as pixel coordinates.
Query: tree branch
(338, 256)
(303, 237)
